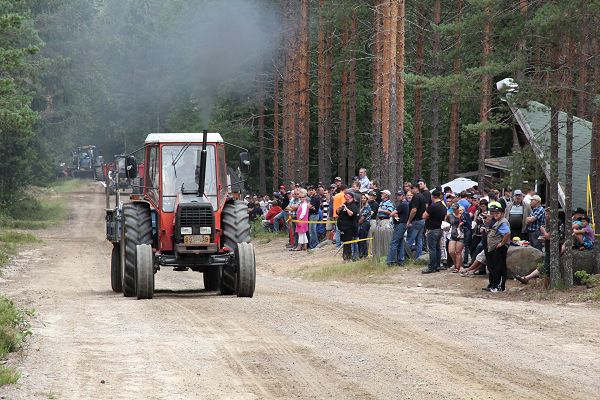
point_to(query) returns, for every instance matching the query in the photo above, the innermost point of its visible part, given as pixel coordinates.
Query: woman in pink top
(302, 227)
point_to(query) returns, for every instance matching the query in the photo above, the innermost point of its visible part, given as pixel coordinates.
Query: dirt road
(294, 339)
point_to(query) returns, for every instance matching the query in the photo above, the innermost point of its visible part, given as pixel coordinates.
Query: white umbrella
(459, 184)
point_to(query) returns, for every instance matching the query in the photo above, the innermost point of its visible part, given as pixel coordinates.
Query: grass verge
(358, 270)
(260, 235)
(13, 329)
(9, 242)
(38, 208)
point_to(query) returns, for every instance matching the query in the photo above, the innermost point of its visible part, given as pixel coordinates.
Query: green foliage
(583, 278)
(13, 329)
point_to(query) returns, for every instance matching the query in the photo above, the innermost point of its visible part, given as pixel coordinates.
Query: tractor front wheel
(236, 230)
(137, 229)
(115, 269)
(246, 276)
(144, 272)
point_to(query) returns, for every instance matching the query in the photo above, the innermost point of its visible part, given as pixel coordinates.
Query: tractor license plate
(196, 239)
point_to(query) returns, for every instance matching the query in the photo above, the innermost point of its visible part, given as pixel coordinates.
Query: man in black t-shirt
(415, 223)
(434, 216)
(424, 191)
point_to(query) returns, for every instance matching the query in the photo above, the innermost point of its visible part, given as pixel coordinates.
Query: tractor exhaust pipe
(201, 169)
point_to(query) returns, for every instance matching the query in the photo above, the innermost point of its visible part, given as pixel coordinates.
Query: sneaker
(428, 271)
(486, 289)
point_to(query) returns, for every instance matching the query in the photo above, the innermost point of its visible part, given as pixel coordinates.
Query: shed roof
(534, 120)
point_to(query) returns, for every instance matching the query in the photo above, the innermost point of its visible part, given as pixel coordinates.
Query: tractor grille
(196, 216)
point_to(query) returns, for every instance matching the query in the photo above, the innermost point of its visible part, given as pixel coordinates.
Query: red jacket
(273, 211)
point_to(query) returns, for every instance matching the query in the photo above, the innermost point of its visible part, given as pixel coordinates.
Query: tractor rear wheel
(115, 269)
(236, 229)
(137, 229)
(144, 272)
(212, 279)
(246, 276)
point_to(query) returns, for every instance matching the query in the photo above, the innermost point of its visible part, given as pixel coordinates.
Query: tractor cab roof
(196, 137)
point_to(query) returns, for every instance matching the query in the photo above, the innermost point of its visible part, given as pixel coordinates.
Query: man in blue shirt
(386, 207)
(535, 220)
(363, 179)
(399, 216)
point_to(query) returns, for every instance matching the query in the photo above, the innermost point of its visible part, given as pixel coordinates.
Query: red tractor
(184, 219)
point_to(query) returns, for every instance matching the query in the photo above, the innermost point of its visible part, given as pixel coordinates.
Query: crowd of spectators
(467, 233)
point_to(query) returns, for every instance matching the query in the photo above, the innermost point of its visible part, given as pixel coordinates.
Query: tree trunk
(555, 277)
(568, 107)
(595, 156)
(328, 105)
(393, 74)
(262, 178)
(376, 115)
(352, 99)
(400, 92)
(435, 98)
(583, 99)
(419, 69)
(385, 91)
(342, 132)
(321, 93)
(303, 155)
(276, 130)
(486, 99)
(455, 107)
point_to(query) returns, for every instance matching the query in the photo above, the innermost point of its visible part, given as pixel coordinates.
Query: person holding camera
(347, 223)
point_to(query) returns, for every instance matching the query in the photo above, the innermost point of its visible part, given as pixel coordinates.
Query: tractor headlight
(205, 230)
(186, 230)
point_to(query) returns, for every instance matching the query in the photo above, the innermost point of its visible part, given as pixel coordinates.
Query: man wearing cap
(535, 220)
(399, 217)
(516, 213)
(337, 181)
(363, 179)
(498, 238)
(506, 199)
(385, 208)
(433, 216)
(415, 223)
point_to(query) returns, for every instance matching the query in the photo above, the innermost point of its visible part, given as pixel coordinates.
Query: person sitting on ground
(583, 235)
(479, 263)
(271, 214)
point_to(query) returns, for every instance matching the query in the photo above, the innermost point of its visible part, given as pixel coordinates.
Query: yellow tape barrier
(312, 222)
(589, 205)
